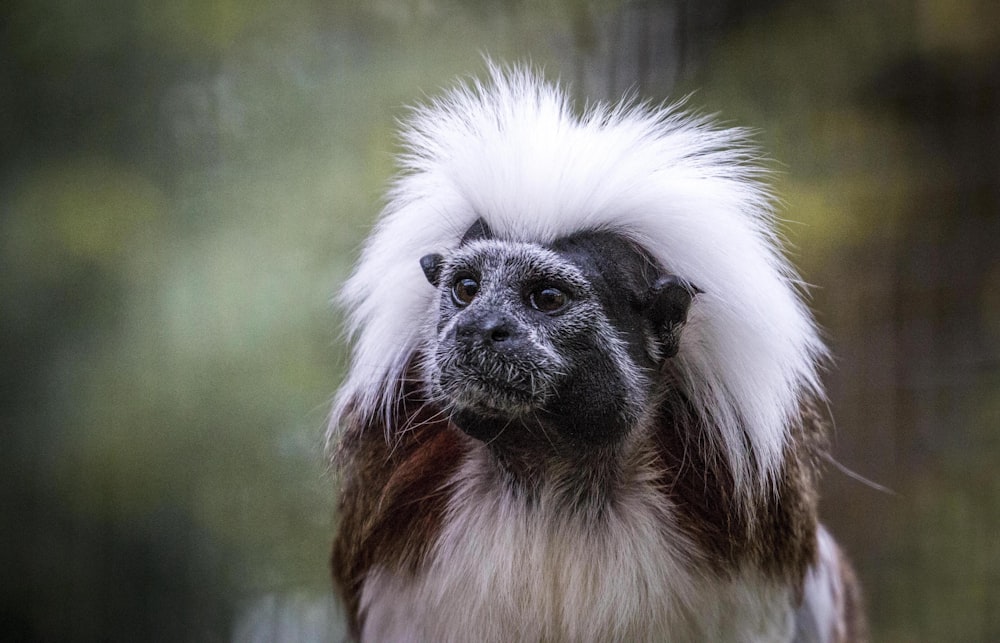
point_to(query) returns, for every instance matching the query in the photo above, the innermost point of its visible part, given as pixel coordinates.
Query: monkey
(584, 390)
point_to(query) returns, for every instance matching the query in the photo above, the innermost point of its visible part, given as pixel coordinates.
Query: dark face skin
(551, 347)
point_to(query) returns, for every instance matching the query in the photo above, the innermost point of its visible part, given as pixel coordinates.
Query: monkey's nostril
(486, 330)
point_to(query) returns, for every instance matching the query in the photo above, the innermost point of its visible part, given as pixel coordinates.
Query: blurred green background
(184, 183)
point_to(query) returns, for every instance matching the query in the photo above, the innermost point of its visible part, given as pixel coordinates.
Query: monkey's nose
(491, 329)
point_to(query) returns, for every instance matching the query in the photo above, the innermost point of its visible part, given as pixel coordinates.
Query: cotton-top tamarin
(581, 403)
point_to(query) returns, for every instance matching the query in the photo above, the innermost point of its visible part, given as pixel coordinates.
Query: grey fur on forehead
(524, 257)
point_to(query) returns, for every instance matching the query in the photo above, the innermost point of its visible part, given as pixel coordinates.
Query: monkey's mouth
(504, 391)
(491, 397)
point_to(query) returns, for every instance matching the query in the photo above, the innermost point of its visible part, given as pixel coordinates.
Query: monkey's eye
(464, 291)
(547, 299)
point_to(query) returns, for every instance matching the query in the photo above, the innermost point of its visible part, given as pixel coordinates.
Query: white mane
(513, 152)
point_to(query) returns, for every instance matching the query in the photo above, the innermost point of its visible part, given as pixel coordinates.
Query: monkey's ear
(431, 265)
(667, 307)
(477, 231)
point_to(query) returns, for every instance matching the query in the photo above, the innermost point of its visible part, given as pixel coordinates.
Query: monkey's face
(513, 320)
(561, 337)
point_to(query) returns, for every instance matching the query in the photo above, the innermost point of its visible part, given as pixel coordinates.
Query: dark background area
(183, 185)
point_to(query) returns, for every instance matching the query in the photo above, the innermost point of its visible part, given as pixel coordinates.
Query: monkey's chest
(499, 571)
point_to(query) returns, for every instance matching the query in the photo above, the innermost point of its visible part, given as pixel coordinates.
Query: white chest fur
(502, 570)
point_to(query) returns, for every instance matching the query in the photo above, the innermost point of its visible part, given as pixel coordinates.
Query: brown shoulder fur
(393, 494)
(777, 533)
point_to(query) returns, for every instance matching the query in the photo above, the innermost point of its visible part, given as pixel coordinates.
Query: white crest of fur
(513, 152)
